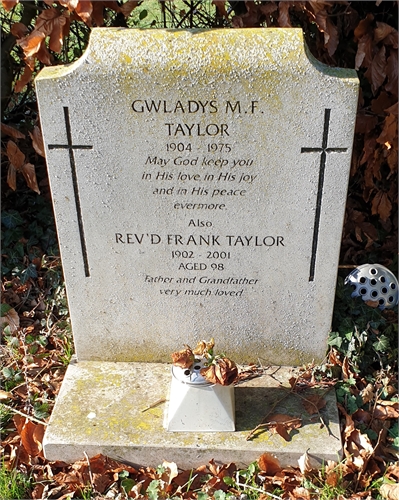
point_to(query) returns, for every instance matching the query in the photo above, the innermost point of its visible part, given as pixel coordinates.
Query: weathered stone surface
(199, 182)
(100, 410)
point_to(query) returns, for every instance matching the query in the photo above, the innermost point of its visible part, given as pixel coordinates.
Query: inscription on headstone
(199, 183)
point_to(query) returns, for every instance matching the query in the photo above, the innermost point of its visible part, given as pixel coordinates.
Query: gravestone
(199, 181)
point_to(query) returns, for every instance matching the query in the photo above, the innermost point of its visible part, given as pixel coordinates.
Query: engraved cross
(70, 147)
(323, 150)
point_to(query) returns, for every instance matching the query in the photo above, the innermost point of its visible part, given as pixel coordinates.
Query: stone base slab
(100, 409)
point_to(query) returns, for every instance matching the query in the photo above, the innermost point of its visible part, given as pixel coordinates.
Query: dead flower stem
(25, 415)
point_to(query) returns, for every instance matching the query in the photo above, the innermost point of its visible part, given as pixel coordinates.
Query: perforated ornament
(374, 282)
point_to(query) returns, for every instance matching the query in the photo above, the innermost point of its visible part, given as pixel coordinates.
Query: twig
(153, 405)
(90, 473)
(246, 486)
(366, 461)
(25, 415)
(264, 419)
(317, 410)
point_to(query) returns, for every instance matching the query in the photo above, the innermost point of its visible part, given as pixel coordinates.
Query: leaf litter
(34, 356)
(105, 477)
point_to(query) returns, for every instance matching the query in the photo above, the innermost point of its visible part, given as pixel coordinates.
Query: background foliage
(36, 342)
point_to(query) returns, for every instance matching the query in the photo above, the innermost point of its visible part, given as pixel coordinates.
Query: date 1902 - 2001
(212, 147)
(189, 254)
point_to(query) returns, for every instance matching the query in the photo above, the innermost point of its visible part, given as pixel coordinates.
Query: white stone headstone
(199, 181)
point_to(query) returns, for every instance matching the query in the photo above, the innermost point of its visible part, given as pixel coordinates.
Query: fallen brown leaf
(280, 423)
(11, 131)
(313, 403)
(37, 141)
(304, 463)
(269, 464)
(15, 155)
(386, 409)
(367, 394)
(390, 491)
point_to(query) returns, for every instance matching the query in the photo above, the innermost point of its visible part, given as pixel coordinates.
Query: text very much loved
(191, 287)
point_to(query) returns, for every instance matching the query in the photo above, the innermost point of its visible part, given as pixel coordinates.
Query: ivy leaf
(152, 490)
(29, 272)
(4, 309)
(219, 495)
(382, 344)
(11, 219)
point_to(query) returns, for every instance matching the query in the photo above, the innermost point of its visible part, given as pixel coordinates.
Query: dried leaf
(346, 371)
(12, 177)
(223, 372)
(221, 7)
(382, 102)
(11, 131)
(84, 10)
(390, 130)
(367, 393)
(184, 358)
(382, 30)
(19, 30)
(364, 26)
(304, 463)
(384, 411)
(24, 80)
(313, 403)
(204, 348)
(269, 464)
(364, 54)
(268, 8)
(381, 205)
(128, 7)
(37, 141)
(9, 4)
(15, 155)
(97, 15)
(44, 55)
(170, 472)
(32, 43)
(284, 20)
(392, 73)
(31, 435)
(11, 318)
(281, 424)
(333, 357)
(376, 72)
(4, 395)
(332, 475)
(69, 4)
(57, 33)
(325, 25)
(359, 447)
(28, 171)
(365, 123)
(390, 491)
(282, 430)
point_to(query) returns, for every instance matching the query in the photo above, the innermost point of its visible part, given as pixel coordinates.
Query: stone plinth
(100, 410)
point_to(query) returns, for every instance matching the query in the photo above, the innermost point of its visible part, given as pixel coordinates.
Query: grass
(13, 484)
